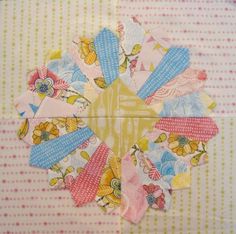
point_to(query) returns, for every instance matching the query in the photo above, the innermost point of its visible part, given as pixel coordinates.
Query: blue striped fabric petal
(107, 48)
(50, 152)
(175, 61)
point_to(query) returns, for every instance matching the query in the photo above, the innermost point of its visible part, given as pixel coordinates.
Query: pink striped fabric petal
(202, 129)
(84, 188)
(191, 80)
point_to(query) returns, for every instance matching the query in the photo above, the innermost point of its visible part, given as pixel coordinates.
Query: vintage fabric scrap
(119, 119)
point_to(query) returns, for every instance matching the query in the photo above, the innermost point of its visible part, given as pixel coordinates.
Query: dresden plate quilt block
(119, 119)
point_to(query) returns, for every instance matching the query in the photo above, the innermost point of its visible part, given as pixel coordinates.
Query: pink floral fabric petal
(45, 82)
(191, 80)
(133, 201)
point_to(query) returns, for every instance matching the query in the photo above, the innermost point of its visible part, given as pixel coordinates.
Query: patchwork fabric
(27, 104)
(159, 162)
(84, 187)
(48, 85)
(134, 203)
(66, 68)
(173, 63)
(191, 105)
(48, 153)
(109, 191)
(83, 52)
(131, 35)
(155, 45)
(73, 164)
(38, 130)
(191, 80)
(153, 194)
(107, 48)
(201, 129)
(120, 119)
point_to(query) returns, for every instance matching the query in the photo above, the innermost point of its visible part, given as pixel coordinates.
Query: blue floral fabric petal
(67, 70)
(166, 163)
(185, 106)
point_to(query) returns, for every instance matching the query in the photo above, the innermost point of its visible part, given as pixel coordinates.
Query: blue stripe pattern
(175, 61)
(50, 152)
(107, 48)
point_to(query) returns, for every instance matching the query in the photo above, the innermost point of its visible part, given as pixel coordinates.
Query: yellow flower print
(87, 51)
(45, 131)
(182, 145)
(143, 144)
(110, 184)
(24, 128)
(71, 124)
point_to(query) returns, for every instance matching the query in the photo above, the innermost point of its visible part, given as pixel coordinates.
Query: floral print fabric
(46, 83)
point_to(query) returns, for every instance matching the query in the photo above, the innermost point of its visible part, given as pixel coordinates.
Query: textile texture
(34, 32)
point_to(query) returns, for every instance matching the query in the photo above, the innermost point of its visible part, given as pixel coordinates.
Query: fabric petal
(48, 153)
(202, 129)
(175, 61)
(107, 48)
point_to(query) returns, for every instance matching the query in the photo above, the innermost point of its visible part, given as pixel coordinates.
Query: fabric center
(119, 117)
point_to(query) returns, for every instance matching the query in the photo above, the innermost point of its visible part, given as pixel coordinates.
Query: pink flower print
(155, 196)
(160, 201)
(202, 75)
(151, 188)
(132, 65)
(120, 30)
(45, 82)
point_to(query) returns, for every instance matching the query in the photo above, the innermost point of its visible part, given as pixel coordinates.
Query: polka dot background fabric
(29, 29)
